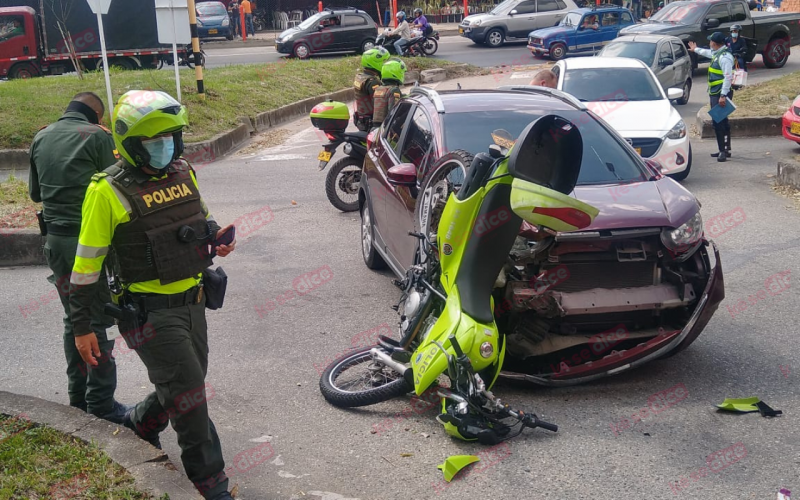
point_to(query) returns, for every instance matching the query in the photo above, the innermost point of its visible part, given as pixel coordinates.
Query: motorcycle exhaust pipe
(385, 359)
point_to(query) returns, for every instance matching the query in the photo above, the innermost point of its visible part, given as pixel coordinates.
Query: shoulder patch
(99, 175)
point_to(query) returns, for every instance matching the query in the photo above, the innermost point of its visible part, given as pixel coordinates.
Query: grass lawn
(39, 462)
(16, 207)
(764, 99)
(231, 92)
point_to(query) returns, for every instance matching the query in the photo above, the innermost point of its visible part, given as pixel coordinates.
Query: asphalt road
(263, 367)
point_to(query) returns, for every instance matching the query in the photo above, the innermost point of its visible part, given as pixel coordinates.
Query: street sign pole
(100, 7)
(175, 51)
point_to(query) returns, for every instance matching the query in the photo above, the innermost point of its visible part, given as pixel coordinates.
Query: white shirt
(725, 64)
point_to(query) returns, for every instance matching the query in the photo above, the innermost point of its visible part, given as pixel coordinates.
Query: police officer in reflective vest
(367, 80)
(393, 74)
(148, 211)
(64, 156)
(720, 77)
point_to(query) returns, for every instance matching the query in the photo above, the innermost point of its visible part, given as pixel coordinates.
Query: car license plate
(795, 129)
(212, 32)
(639, 151)
(460, 31)
(324, 156)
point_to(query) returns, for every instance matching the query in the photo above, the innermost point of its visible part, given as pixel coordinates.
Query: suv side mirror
(666, 62)
(513, 12)
(404, 174)
(711, 23)
(673, 94)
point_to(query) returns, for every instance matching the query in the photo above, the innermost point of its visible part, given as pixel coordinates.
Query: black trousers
(721, 129)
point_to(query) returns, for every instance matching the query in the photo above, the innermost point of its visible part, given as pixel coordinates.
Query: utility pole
(198, 68)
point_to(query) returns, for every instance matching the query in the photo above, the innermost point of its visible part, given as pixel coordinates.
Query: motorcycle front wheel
(342, 183)
(355, 379)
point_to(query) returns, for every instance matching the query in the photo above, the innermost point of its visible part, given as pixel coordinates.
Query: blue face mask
(161, 151)
(734, 35)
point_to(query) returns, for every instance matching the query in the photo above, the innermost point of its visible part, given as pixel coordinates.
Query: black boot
(728, 144)
(722, 156)
(127, 422)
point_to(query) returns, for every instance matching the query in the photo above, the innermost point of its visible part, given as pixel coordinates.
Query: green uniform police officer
(63, 157)
(367, 80)
(148, 210)
(393, 74)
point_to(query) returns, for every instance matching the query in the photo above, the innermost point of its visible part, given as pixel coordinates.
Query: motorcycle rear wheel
(377, 384)
(342, 182)
(430, 46)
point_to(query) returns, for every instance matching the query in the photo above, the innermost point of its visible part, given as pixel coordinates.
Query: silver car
(513, 19)
(666, 55)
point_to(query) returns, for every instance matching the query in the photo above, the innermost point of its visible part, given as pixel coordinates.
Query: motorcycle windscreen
(545, 163)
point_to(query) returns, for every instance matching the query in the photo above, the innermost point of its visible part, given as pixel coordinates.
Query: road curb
(14, 159)
(151, 468)
(21, 247)
(788, 173)
(755, 126)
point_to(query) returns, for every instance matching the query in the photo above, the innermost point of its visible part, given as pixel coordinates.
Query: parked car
(791, 121)
(626, 94)
(581, 31)
(627, 270)
(213, 21)
(665, 55)
(332, 30)
(772, 34)
(513, 19)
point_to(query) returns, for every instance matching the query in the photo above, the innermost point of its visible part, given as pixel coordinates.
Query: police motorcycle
(344, 176)
(448, 339)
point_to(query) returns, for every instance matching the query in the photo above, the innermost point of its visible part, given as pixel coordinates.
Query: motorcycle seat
(358, 136)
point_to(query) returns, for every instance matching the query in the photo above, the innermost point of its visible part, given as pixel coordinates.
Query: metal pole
(110, 106)
(243, 23)
(175, 51)
(198, 68)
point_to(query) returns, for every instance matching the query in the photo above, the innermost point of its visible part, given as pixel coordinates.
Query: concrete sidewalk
(267, 38)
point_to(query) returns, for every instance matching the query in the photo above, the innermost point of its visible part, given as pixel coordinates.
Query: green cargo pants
(90, 388)
(173, 345)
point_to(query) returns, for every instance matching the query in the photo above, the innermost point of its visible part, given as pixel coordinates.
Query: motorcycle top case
(330, 116)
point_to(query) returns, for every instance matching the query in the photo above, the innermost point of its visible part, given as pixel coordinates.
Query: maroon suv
(639, 284)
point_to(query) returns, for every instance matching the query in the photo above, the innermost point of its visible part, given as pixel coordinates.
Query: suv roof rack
(333, 9)
(534, 89)
(430, 94)
(604, 5)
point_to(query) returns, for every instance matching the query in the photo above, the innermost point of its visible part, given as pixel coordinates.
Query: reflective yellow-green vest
(715, 76)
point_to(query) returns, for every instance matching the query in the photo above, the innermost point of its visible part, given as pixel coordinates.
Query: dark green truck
(767, 33)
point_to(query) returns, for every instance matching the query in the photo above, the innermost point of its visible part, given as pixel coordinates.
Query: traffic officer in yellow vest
(148, 211)
(720, 77)
(393, 74)
(367, 80)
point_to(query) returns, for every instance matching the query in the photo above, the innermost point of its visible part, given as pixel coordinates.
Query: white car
(626, 94)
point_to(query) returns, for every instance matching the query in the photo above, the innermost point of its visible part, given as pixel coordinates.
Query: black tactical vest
(363, 85)
(149, 247)
(385, 99)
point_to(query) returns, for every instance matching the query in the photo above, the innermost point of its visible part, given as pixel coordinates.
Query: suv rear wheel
(495, 38)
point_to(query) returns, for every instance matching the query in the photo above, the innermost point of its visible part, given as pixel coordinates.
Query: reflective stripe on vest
(715, 75)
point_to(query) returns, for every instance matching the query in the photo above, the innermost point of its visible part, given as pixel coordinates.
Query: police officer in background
(393, 74)
(368, 78)
(720, 77)
(64, 156)
(148, 210)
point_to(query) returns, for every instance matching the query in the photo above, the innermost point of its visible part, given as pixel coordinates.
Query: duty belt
(64, 229)
(151, 302)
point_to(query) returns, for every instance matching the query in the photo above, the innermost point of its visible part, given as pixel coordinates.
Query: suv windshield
(680, 13)
(311, 21)
(603, 84)
(643, 51)
(571, 19)
(605, 159)
(211, 9)
(502, 7)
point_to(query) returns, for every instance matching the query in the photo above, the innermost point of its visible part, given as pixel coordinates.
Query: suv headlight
(679, 241)
(199, 22)
(226, 22)
(678, 131)
(475, 23)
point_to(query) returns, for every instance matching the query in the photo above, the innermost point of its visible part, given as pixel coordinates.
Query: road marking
(521, 75)
(283, 157)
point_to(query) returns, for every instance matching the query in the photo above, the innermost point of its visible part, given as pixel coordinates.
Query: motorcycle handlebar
(532, 421)
(546, 425)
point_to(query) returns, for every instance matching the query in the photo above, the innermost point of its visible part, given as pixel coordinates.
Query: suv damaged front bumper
(654, 344)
